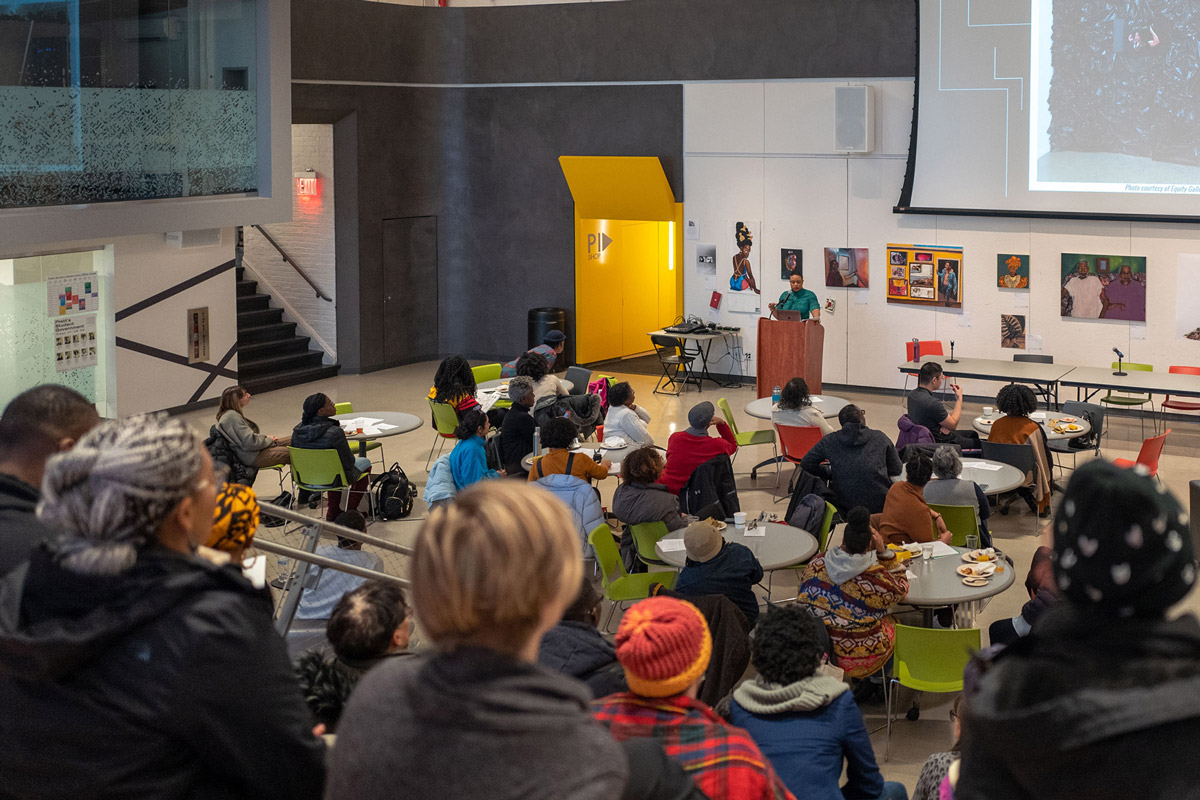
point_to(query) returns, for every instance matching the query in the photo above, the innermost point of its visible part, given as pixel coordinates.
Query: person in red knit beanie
(664, 646)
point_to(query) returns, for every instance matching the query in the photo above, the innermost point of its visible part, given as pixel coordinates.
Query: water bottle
(916, 350)
(776, 393)
(537, 442)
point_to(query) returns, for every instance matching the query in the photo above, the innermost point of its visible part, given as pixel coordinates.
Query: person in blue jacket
(468, 459)
(802, 715)
(715, 566)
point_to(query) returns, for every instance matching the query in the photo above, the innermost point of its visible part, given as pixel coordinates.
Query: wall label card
(74, 342)
(197, 331)
(72, 294)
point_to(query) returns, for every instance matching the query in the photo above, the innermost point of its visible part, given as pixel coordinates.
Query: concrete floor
(406, 388)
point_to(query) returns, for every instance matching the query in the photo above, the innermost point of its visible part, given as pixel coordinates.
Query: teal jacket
(468, 462)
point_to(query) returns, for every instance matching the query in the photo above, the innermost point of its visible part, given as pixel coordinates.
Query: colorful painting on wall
(1103, 287)
(1012, 271)
(791, 262)
(1012, 331)
(925, 275)
(741, 236)
(847, 266)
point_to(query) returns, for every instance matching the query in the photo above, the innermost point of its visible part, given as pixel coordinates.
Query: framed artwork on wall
(1012, 271)
(847, 267)
(1118, 291)
(925, 276)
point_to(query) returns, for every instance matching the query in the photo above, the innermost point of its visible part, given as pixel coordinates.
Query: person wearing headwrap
(319, 431)
(235, 519)
(688, 449)
(1102, 698)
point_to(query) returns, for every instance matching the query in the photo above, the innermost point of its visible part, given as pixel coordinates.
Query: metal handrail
(332, 528)
(329, 563)
(292, 261)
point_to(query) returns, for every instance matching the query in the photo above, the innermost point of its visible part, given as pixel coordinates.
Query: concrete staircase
(270, 354)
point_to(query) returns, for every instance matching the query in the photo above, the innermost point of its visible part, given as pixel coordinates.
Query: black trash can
(544, 320)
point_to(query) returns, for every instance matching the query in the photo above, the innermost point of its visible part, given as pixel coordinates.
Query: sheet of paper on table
(908, 573)
(980, 465)
(757, 530)
(671, 545)
(488, 399)
(360, 422)
(383, 426)
(940, 549)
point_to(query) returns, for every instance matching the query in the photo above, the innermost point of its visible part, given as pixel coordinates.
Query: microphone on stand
(951, 359)
(1120, 358)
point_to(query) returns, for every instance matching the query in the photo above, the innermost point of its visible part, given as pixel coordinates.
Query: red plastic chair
(1149, 454)
(1178, 405)
(794, 442)
(930, 348)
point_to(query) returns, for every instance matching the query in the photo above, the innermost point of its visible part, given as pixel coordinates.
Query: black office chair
(1033, 358)
(673, 361)
(1023, 457)
(579, 378)
(1095, 412)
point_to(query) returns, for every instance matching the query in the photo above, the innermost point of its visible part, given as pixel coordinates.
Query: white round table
(984, 426)
(491, 386)
(993, 481)
(782, 546)
(587, 451)
(936, 583)
(394, 422)
(827, 404)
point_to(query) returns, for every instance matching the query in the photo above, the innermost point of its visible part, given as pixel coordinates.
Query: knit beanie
(664, 646)
(1121, 542)
(700, 415)
(702, 540)
(235, 518)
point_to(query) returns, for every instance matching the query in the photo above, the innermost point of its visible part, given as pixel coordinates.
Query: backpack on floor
(394, 494)
(283, 500)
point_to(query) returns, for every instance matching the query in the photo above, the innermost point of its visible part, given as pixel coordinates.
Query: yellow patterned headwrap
(235, 518)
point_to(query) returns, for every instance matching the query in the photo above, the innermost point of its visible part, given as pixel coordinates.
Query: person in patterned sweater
(850, 588)
(664, 646)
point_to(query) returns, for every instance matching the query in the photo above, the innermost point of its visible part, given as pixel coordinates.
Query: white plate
(971, 559)
(975, 582)
(986, 568)
(985, 421)
(606, 446)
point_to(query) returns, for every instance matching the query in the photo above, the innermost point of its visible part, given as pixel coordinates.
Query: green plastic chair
(748, 437)
(929, 660)
(343, 408)
(1129, 400)
(822, 537)
(318, 471)
(486, 372)
(348, 408)
(445, 422)
(619, 586)
(645, 536)
(960, 520)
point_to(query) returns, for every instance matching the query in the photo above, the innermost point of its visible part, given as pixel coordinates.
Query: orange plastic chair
(794, 442)
(1149, 454)
(930, 348)
(1178, 405)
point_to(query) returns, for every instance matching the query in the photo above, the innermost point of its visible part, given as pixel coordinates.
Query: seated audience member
(491, 573)
(575, 647)
(664, 646)
(252, 448)
(545, 384)
(550, 348)
(715, 566)
(937, 766)
(318, 431)
(926, 410)
(235, 519)
(949, 489)
(850, 589)
(35, 425)
(804, 720)
(689, 448)
(516, 434)
(906, 516)
(796, 408)
(1100, 700)
(129, 666)
(468, 459)
(454, 384)
(583, 409)
(861, 460)
(625, 418)
(1017, 402)
(557, 436)
(369, 626)
(319, 601)
(641, 498)
(1043, 593)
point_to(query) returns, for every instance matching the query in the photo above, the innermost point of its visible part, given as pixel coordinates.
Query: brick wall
(308, 239)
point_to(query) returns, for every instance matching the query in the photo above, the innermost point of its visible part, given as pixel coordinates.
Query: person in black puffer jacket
(129, 665)
(318, 431)
(574, 647)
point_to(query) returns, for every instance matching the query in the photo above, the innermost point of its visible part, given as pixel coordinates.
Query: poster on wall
(74, 342)
(791, 262)
(72, 294)
(1012, 331)
(1103, 287)
(706, 259)
(742, 302)
(925, 275)
(1187, 297)
(847, 266)
(742, 260)
(1012, 271)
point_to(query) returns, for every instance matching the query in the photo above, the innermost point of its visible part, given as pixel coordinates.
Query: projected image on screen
(1121, 106)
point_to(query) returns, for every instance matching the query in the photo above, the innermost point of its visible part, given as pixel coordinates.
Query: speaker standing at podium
(798, 299)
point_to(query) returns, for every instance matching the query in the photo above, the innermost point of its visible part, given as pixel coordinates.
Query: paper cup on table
(739, 519)
(988, 411)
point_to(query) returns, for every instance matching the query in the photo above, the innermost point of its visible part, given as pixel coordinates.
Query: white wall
(763, 151)
(309, 239)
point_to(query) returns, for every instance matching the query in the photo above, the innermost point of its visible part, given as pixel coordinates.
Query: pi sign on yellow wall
(597, 243)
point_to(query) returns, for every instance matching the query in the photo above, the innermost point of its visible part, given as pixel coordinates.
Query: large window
(121, 100)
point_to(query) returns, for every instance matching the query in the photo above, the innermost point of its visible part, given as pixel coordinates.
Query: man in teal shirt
(798, 299)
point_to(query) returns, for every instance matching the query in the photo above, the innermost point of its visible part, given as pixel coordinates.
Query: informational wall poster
(1012, 271)
(1103, 287)
(74, 342)
(706, 259)
(1012, 331)
(742, 302)
(197, 332)
(691, 231)
(925, 275)
(741, 238)
(1187, 297)
(847, 266)
(791, 262)
(72, 294)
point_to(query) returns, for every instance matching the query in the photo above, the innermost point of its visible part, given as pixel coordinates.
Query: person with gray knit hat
(715, 566)
(1104, 675)
(688, 449)
(516, 431)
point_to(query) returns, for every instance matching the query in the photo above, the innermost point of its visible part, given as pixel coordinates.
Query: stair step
(240, 272)
(264, 316)
(253, 302)
(285, 362)
(246, 288)
(255, 351)
(279, 380)
(265, 333)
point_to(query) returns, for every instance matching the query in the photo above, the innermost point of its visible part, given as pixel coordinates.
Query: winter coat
(629, 424)
(468, 462)
(1087, 706)
(583, 501)
(731, 572)
(712, 490)
(577, 649)
(911, 433)
(807, 729)
(327, 682)
(325, 433)
(245, 440)
(166, 680)
(638, 503)
(686, 451)
(1043, 591)
(20, 529)
(861, 463)
(516, 438)
(472, 724)
(730, 643)
(440, 483)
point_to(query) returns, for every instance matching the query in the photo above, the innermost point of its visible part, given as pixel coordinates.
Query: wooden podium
(789, 349)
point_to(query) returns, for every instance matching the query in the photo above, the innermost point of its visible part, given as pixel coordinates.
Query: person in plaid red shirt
(664, 646)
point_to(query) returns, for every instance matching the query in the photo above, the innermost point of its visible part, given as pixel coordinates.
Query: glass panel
(123, 100)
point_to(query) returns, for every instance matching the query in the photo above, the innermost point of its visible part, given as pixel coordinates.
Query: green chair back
(960, 520)
(645, 536)
(1127, 398)
(343, 408)
(486, 372)
(727, 413)
(826, 528)
(619, 585)
(445, 418)
(316, 470)
(932, 659)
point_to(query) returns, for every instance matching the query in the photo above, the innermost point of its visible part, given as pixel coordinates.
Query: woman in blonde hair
(129, 666)
(252, 448)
